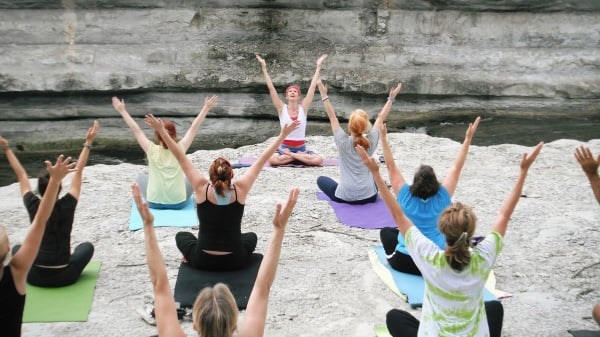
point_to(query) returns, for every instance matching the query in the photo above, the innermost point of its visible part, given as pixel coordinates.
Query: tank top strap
(235, 191)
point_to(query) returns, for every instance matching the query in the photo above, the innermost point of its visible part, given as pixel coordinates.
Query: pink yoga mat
(373, 215)
(247, 161)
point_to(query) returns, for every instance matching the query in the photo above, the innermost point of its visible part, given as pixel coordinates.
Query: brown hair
(170, 127)
(220, 174)
(425, 183)
(457, 222)
(357, 126)
(215, 312)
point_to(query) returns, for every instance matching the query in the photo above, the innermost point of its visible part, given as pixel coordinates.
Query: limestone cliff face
(65, 59)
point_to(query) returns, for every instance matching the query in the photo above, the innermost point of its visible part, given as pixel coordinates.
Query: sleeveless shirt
(11, 305)
(220, 225)
(284, 119)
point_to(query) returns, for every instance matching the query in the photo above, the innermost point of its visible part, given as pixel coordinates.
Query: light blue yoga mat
(185, 217)
(408, 286)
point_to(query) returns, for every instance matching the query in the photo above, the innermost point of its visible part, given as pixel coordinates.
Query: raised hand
(261, 61)
(394, 91)
(322, 88)
(154, 122)
(370, 162)
(4, 143)
(528, 159)
(282, 213)
(472, 128)
(288, 128)
(61, 168)
(142, 207)
(383, 131)
(321, 60)
(209, 102)
(586, 160)
(118, 104)
(91, 133)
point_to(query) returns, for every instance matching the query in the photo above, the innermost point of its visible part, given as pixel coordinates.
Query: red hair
(170, 127)
(293, 86)
(358, 125)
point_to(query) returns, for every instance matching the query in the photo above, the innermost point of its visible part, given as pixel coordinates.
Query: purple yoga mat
(373, 215)
(247, 161)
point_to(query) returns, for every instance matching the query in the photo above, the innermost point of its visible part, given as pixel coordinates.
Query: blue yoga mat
(185, 217)
(408, 286)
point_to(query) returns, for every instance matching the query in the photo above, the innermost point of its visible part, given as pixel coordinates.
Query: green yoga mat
(64, 304)
(382, 331)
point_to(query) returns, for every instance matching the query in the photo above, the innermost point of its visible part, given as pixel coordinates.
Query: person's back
(454, 302)
(12, 304)
(356, 182)
(166, 181)
(424, 214)
(454, 277)
(55, 249)
(14, 271)
(220, 222)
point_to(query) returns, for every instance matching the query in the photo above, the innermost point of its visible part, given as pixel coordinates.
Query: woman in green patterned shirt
(455, 277)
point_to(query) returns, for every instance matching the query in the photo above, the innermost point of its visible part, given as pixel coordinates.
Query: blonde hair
(457, 222)
(358, 124)
(220, 173)
(215, 312)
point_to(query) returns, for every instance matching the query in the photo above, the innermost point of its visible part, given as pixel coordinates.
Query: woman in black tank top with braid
(220, 201)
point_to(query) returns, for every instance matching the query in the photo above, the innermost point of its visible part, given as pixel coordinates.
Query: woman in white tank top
(293, 148)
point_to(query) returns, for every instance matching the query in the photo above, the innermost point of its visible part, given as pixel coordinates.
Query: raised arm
(165, 310)
(15, 164)
(141, 138)
(277, 102)
(589, 165)
(501, 222)
(75, 188)
(246, 181)
(333, 120)
(396, 178)
(197, 180)
(307, 101)
(191, 133)
(256, 311)
(451, 179)
(24, 257)
(402, 222)
(387, 106)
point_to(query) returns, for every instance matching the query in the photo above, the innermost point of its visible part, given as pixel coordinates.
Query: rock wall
(64, 59)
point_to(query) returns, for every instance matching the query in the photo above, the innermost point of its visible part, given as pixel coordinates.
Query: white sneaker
(147, 314)
(148, 298)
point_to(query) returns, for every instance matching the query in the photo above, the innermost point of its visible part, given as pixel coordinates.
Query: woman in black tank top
(220, 245)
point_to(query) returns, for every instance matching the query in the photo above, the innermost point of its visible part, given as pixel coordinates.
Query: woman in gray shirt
(356, 185)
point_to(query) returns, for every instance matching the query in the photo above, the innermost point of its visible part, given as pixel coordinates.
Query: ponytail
(357, 126)
(457, 222)
(220, 174)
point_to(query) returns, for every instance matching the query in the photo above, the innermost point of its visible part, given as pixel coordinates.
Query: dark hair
(43, 180)
(457, 222)
(170, 127)
(425, 183)
(220, 173)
